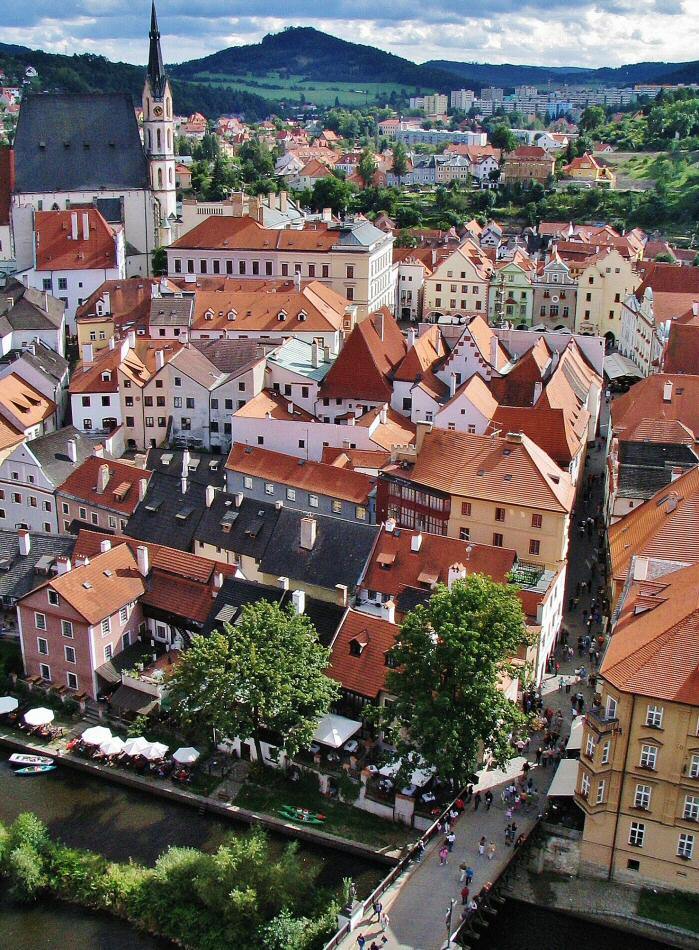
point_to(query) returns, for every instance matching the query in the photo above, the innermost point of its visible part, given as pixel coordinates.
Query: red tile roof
(121, 492)
(674, 288)
(225, 233)
(369, 356)
(682, 349)
(644, 405)
(56, 249)
(427, 352)
(365, 673)
(559, 432)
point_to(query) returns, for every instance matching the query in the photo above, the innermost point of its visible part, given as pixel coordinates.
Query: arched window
(160, 178)
(169, 140)
(150, 141)
(157, 139)
(169, 175)
(168, 107)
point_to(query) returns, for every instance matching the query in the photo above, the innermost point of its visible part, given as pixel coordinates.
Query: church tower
(159, 134)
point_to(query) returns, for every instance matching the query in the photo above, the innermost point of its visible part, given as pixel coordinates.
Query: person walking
(481, 846)
(385, 921)
(443, 855)
(476, 801)
(463, 868)
(464, 895)
(450, 841)
(491, 850)
(361, 941)
(376, 908)
(420, 850)
(488, 800)
(469, 875)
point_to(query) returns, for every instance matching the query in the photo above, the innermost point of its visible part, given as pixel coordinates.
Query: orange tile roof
(664, 526)
(57, 250)
(356, 458)
(87, 377)
(9, 436)
(139, 364)
(559, 432)
(315, 169)
(270, 405)
(369, 356)
(655, 652)
(475, 466)
(644, 403)
(396, 430)
(300, 473)
(427, 352)
(682, 349)
(25, 403)
(483, 335)
(100, 588)
(129, 302)
(225, 233)
(403, 566)
(364, 674)
(477, 392)
(674, 288)
(122, 490)
(516, 387)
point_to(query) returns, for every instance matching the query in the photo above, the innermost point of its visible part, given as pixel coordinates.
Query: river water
(86, 812)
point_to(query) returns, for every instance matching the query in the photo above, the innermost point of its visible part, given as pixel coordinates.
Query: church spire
(156, 70)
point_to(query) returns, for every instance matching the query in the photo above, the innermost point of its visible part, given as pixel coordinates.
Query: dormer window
(303, 316)
(209, 315)
(281, 316)
(356, 646)
(389, 660)
(106, 377)
(231, 315)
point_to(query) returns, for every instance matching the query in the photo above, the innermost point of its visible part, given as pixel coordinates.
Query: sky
(554, 33)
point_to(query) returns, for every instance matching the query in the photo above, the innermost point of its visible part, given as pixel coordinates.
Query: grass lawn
(268, 792)
(272, 86)
(677, 908)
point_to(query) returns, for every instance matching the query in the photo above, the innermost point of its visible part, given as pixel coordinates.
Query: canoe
(18, 758)
(301, 815)
(35, 769)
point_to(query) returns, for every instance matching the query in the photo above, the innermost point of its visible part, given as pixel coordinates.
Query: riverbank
(614, 905)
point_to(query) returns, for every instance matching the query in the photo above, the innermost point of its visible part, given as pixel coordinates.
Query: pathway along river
(86, 812)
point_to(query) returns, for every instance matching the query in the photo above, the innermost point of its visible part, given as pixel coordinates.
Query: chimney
(538, 389)
(238, 499)
(159, 359)
(186, 459)
(457, 572)
(143, 559)
(315, 354)
(416, 542)
(283, 202)
(210, 495)
(142, 488)
(493, 351)
(184, 484)
(88, 352)
(98, 450)
(378, 323)
(341, 594)
(412, 336)
(106, 302)
(25, 542)
(297, 282)
(218, 580)
(695, 308)
(131, 339)
(102, 479)
(390, 525)
(74, 225)
(309, 529)
(667, 391)
(452, 385)
(86, 226)
(283, 582)
(675, 473)
(112, 343)
(105, 545)
(299, 601)
(640, 568)
(390, 611)
(422, 428)
(290, 408)
(327, 214)
(63, 564)
(351, 419)
(82, 561)
(279, 504)
(514, 437)
(383, 415)
(72, 447)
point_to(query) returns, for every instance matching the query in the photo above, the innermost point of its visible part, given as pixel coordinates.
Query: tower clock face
(158, 111)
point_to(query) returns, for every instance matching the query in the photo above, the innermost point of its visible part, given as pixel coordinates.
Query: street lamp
(447, 920)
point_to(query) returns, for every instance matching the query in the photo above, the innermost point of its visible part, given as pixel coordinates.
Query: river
(120, 823)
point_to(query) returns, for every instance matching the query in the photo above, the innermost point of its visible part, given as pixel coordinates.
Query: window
(190, 402)
(107, 653)
(497, 540)
(285, 270)
(291, 494)
(654, 717)
(72, 680)
(691, 808)
(360, 513)
(130, 422)
(42, 646)
(185, 423)
(313, 501)
(123, 615)
(649, 756)
(466, 509)
(694, 766)
(585, 785)
(46, 283)
(247, 482)
(178, 380)
(465, 534)
(349, 293)
(269, 488)
(112, 521)
(606, 748)
(590, 747)
(637, 833)
(128, 401)
(610, 708)
(228, 404)
(337, 506)
(685, 846)
(177, 402)
(94, 517)
(601, 788)
(499, 514)
(641, 798)
(534, 546)
(40, 621)
(350, 271)
(106, 626)
(67, 629)
(537, 521)
(53, 597)
(260, 440)
(45, 672)
(70, 654)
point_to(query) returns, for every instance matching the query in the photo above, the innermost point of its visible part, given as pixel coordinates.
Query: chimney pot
(210, 495)
(72, 450)
(102, 479)
(88, 353)
(143, 559)
(667, 391)
(105, 545)
(416, 542)
(309, 530)
(25, 542)
(142, 488)
(299, 601)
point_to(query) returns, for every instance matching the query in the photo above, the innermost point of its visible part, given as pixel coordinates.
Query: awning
(574, 743)
(617, 366)
(335, 730)
(565, 779)
(133, 700)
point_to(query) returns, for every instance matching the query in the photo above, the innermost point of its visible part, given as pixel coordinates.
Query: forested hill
(304, 51)
(90, 73)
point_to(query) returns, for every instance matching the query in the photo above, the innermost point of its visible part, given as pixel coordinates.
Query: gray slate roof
(232, 356)
(339, 555)
(166, 516)
(171, 311)
(25, 308)
(205, 468)
(18, 574)
(51, 452)
(245, 530)
(78, 142)
(42, 358)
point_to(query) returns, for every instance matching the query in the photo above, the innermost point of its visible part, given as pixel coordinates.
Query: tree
(504, 138)
(159, 262)
(224, 177)
(400, 160)
(265, 672)
(332, 192)
(366, 169)
(592, 118)
(448, 659)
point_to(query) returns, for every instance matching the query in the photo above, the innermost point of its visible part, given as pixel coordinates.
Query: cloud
(592, 33)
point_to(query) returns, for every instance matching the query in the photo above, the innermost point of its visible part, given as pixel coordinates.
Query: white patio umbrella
(136, 746)
(155, 750)
(96, 735)
(112, 746)
(39, 716)
(8, 704)
(186, 755)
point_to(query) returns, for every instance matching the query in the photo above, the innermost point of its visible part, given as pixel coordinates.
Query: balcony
(598, 720)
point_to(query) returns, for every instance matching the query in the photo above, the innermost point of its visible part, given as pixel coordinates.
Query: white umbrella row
(113, 745)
